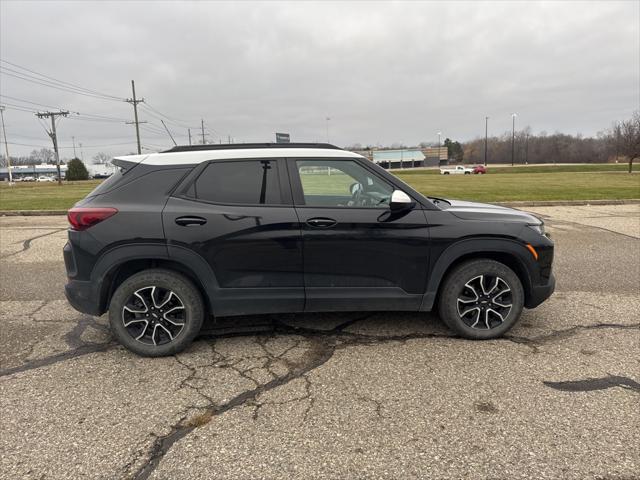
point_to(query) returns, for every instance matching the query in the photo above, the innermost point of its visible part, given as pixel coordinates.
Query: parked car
(43, 178)
(457, 170)
(480, 169)
(28, 179)
(226, 230)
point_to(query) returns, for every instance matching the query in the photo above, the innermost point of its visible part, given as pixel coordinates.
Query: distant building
(408, 157)
(35, 171)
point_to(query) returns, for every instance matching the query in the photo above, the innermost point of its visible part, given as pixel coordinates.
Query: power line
(52, 80)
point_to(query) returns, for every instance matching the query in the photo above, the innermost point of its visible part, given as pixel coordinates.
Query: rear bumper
(84, 297)
(539, 293)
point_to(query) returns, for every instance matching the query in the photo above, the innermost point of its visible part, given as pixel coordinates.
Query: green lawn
(530, 186)
(564, 182)
(43, 196)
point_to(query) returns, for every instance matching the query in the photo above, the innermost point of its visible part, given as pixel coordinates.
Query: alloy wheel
(153, 315)
(485, 302)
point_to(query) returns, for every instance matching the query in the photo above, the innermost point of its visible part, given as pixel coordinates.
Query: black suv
(272, 228)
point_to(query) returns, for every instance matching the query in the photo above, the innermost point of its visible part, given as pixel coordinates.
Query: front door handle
(190, 221)
(321, 222)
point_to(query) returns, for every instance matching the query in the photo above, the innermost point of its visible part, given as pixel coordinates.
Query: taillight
(84, 217)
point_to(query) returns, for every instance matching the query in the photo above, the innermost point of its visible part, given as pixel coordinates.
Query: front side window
(341, 183)
(251, 182)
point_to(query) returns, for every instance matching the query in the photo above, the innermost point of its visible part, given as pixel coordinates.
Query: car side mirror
(400, 201)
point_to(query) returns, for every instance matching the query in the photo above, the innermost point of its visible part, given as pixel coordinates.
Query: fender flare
(477, 246)
(118, 256)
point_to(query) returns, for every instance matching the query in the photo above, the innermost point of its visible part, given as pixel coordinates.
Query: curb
(567, 203)
(525, 203)
(31, 213)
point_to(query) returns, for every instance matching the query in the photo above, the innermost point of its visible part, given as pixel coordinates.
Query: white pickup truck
(456, 170)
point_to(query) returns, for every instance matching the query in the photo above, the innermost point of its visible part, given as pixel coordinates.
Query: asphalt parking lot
(377, 395)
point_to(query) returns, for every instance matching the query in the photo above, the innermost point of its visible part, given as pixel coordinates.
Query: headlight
(538, 228)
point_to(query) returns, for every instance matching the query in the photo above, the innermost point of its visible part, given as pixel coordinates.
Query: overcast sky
(383, 72)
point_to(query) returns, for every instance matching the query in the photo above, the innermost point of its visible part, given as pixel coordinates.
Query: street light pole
(327, 126)
(439, 142)
(513, 139)
(486, 138)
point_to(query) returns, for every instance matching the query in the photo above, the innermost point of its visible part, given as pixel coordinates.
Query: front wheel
(481, 299)
(156, 312)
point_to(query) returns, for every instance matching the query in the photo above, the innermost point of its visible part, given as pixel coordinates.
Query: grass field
(43, 196)
(562, 182)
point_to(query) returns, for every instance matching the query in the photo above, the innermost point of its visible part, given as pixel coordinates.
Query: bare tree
(627, 135)
(100, 158)
(44, 155)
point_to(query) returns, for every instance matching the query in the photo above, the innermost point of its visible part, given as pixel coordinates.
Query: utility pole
(73, 139)
(81, 151)
(6, 146)
(440, 141)
(135, 103)
(513, 139)
(526, 150)
(189, 130)
(53, 135)
(486, 138)
(202, 126)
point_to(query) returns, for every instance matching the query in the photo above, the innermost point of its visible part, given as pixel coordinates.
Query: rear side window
(252, 182)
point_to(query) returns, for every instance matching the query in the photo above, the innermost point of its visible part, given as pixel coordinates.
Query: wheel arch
(115, 266)
(509, 252)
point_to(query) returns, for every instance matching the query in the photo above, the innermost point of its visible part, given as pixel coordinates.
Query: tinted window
(341, 183)
(247, 182)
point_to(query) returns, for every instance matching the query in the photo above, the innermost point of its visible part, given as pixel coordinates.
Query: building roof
(397, 155)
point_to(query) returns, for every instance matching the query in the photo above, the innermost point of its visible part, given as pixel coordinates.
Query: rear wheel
(156, 313)
(481, 299)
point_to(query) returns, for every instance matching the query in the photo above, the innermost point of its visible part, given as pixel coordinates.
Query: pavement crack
(591, 384)
(535, 342)
(77, 347)
(317, 355)
(26, 244)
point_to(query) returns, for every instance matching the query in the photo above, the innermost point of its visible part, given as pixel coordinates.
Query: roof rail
(233, 146)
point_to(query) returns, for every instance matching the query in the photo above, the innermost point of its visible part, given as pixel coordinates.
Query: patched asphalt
(369, 395)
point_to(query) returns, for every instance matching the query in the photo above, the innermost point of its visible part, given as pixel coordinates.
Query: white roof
(199, 156)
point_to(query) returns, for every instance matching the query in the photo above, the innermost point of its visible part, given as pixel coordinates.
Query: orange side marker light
(533, 251)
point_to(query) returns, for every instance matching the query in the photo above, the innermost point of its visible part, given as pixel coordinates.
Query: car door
(358, 255)
(237, 216)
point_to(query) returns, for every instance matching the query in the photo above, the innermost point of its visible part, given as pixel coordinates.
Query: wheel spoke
(129, 309)
(144, 330)
(166, 300)
(466, 312)
(135, 320)
(137, 294)
(477, 319)
(167, 330)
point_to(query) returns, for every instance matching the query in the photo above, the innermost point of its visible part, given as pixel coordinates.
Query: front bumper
(539, 293)
(84, 297)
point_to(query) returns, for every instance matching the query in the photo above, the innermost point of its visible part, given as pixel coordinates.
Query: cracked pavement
(354, 395)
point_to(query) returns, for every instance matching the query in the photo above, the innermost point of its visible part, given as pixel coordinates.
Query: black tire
(446, 173)
(184, 322)
(458, 311)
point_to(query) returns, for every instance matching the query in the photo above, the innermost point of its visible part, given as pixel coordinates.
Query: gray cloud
(383, 72)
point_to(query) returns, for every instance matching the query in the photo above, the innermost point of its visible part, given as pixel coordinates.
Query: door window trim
(285, 189)
(298, 192)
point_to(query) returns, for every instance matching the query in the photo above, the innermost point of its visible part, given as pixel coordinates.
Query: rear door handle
(321, 222)
(190, 221)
